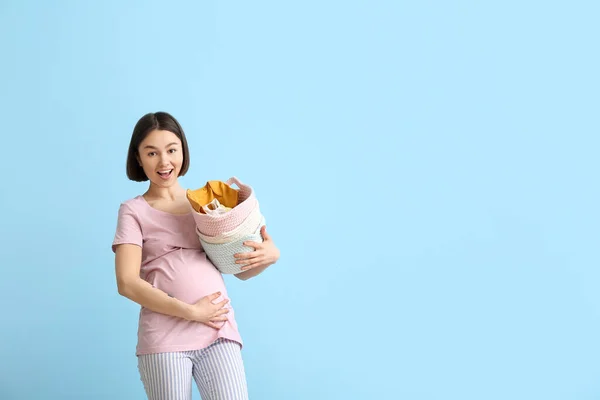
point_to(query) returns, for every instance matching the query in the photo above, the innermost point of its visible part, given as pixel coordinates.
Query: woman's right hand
(208, 313)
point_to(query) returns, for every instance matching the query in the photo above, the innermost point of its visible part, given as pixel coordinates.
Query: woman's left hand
(264, 254)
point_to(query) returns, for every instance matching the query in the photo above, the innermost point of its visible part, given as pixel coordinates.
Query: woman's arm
(127, 265)
(251, 273)
(255, 262)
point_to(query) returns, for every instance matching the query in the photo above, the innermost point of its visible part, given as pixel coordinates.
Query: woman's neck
(172, 192)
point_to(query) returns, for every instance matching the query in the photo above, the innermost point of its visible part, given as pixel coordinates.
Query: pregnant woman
(187, 327)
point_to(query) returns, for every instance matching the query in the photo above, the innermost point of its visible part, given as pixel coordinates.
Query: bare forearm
(251, 273)
(264, 255)
(154, 299)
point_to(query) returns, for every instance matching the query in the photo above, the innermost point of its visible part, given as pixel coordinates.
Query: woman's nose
(164, 161)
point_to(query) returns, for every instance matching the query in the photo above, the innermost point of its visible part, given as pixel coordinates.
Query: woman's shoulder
(132, 204)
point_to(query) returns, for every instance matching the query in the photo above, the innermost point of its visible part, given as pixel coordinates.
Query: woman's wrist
(186, 311)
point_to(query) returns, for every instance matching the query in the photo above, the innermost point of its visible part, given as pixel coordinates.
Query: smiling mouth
(165, 174)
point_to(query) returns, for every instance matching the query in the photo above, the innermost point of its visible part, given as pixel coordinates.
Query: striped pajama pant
(217, 369)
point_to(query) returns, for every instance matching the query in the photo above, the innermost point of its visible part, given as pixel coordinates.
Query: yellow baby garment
(221, 191)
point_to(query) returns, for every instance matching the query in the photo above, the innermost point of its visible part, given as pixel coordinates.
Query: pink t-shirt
(174, 262)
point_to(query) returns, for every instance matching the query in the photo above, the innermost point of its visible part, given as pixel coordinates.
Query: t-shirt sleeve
(128, 228)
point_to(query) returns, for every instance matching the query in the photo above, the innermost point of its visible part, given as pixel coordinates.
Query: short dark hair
(154, 121)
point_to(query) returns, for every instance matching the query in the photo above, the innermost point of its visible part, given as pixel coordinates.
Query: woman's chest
(166, 235)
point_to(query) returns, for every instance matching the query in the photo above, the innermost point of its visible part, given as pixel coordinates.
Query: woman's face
(161, 157)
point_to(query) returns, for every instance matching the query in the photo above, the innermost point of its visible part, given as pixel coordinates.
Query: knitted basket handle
(233, 180)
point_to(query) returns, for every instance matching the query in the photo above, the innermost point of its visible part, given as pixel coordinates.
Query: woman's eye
(151, 154)
(172, 150)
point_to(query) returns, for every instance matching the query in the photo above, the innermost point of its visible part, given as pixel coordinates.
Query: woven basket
(216, 225)
(221, 254)
(245, 228)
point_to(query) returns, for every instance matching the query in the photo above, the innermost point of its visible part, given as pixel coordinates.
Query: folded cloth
(215, 208)
(221, 191)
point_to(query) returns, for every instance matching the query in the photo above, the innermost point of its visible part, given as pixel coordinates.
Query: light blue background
(428, 170)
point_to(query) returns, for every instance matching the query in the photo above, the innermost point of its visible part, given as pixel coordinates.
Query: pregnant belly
(186, 275)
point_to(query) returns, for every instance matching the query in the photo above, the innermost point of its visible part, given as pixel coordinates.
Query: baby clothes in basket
(223, 232)
(215, 208)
